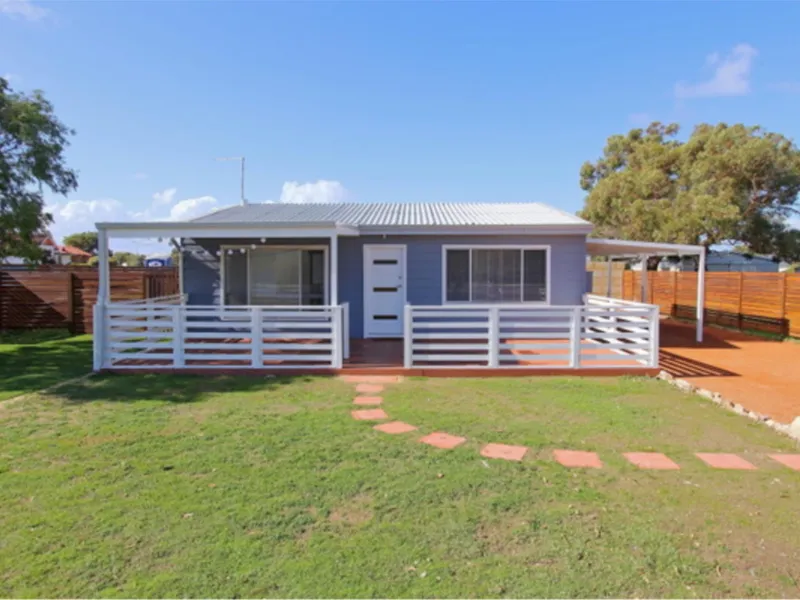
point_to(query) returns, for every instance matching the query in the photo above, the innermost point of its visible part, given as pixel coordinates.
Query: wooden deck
(385, 357)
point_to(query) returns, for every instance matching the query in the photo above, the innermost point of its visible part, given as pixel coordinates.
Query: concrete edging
(792, 430)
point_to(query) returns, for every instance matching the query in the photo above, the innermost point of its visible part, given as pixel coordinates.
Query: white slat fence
(603, 333)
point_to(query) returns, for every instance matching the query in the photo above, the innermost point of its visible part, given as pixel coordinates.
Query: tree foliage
(86, 241)
(128, 259)
(32, 144)
(733, 184)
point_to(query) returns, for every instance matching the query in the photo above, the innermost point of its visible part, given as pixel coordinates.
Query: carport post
(610, 272)
(701, 294)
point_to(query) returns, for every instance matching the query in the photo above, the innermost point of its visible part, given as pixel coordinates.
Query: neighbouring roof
(73, 251)
(378, 214)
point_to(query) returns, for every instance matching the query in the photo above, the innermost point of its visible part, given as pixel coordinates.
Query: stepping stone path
(651, 460)
(369, 386)
(395, 427)
(443, 440)
(368, 400)
(790, 460)
(725, 461)
(374, 414)
(504, 451)
(578, 459)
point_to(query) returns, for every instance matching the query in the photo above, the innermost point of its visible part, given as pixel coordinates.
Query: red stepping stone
(368, 400)
(371, 378)
(443, 440)
(790, 460)
(651, 460)
(374, 414)
(395, 427)
(578, 458)
(503, 451)
(369, 388)
(725, 461)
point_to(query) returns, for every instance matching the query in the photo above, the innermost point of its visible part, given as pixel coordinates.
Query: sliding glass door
(276, 276)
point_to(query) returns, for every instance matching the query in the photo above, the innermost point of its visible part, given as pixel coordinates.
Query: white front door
(384, 290)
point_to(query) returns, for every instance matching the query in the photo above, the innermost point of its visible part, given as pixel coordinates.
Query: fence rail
(163, 334)
(64, 297)
(768, 302)
(603, 333)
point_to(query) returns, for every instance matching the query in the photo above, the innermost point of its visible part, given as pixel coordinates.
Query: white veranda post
(644, 278)
(334, 270)
(103, 297)
(701, 295)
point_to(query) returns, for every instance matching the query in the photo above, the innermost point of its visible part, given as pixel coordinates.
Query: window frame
(521, 248)
(249, 248)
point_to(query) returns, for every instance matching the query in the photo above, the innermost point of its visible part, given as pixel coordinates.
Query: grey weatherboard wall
(424, 269)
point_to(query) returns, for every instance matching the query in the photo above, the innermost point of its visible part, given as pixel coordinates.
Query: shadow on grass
(40, 359)
(24, 337)
(160, 387)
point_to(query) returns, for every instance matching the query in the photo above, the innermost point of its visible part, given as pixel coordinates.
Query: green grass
(36, 359)
(163, 486)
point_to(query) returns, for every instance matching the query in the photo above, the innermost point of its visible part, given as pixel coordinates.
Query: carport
(623, 249)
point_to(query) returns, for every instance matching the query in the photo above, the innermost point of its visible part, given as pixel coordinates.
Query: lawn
(167, 486)
(33, 360)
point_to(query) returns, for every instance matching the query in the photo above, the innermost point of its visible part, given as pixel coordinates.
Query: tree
(731, 184)
(94, 261)
(128, 259)
(86, 241)
(32, 144)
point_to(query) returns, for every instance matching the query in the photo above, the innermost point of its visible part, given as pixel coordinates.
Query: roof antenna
(241, 158)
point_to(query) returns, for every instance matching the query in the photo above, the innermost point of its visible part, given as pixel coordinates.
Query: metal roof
(620, 248)
(377, 214)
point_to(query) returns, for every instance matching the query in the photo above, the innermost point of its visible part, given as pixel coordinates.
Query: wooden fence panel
(63, 297)
(792, 303)
(768, 302)
(599, 272)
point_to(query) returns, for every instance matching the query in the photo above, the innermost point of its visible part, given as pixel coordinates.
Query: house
(489, 284)
(66, 255)
(54, 253)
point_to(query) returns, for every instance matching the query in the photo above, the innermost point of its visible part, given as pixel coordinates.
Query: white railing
(600, 334)
(175, 336)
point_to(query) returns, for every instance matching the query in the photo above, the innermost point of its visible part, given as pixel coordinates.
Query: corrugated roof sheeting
(378, 214)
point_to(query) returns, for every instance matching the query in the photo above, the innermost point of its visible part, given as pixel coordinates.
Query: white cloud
(731, 75)
(74, 216)
(140, 176)
(165, 197)
(24, 9)
(192, 207)
(322, 191)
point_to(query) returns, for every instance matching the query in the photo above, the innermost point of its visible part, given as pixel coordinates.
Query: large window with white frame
(275, 275)
(496, 274)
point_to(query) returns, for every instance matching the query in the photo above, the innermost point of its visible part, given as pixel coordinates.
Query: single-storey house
(492, 284)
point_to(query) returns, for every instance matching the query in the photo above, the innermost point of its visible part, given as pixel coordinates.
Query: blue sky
(380, 101)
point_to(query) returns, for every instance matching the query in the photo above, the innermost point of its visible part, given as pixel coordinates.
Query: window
(275, 276)
(495, 275)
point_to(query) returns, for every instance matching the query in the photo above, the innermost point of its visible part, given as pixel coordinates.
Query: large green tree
(86, 241)
(725, 184)
(32, 144)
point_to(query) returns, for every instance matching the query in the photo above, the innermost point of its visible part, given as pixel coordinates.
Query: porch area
(603, 336)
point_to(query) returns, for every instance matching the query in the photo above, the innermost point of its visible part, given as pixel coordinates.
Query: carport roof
(621, 248)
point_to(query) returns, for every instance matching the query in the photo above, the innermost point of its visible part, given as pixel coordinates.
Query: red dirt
(760, 374)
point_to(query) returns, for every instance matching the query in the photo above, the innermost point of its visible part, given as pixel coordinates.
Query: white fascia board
(568, 229)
